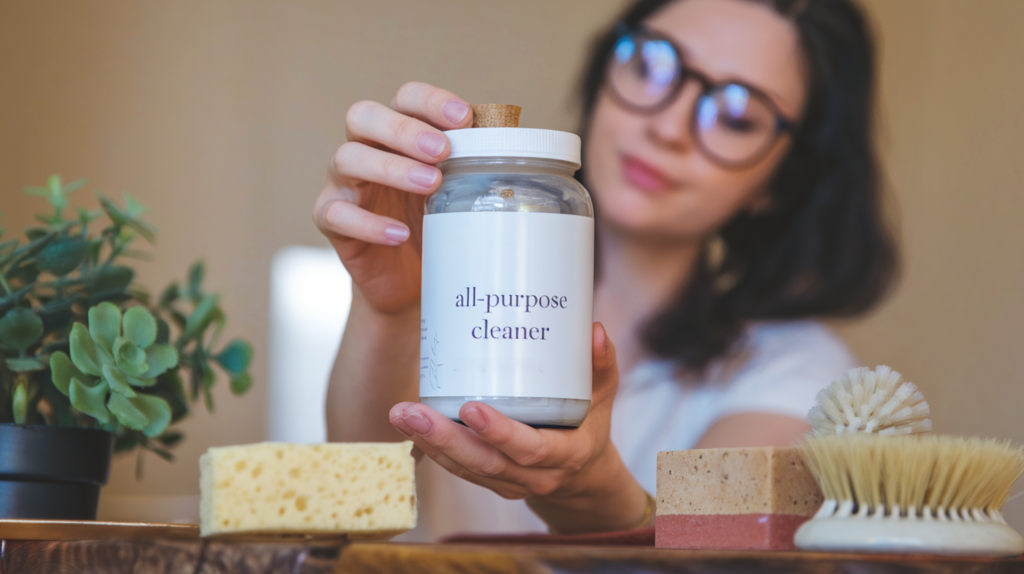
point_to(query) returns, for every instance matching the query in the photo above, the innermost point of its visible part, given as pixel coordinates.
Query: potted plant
(90, 364)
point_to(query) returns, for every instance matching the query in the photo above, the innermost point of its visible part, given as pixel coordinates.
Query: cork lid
(495, 133)
(495, 115)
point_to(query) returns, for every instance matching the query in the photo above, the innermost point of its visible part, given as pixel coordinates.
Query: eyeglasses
(735, 125)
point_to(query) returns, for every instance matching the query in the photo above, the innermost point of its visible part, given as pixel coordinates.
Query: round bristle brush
(870, 401)
(894, 491)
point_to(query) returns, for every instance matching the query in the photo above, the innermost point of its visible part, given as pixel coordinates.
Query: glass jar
(508, 268)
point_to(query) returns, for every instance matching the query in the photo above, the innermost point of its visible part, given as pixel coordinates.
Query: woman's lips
(644, 176)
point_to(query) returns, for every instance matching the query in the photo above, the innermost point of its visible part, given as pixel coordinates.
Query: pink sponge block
(733, 498)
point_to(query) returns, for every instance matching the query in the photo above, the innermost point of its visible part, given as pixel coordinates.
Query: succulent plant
(112, 362)
(82, 345)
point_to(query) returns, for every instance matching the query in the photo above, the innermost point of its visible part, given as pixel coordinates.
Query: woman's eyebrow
(680, 48)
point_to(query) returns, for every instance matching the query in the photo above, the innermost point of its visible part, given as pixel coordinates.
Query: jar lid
(515, 142)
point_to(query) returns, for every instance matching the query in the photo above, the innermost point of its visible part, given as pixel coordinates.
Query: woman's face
(646, 173)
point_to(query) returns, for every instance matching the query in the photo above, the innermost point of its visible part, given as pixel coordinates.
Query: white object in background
(310, 296)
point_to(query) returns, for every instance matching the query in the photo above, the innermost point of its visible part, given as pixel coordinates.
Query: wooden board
(22, 529)
(216, 556)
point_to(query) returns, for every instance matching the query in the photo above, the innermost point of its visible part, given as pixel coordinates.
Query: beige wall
(221, 116)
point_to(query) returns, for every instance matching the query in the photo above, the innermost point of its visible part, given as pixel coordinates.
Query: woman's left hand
(573, 479)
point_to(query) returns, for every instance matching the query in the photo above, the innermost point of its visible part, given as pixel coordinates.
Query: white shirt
(779, 370)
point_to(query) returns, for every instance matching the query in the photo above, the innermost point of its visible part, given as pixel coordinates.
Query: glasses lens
(643, 70)
(734, 124)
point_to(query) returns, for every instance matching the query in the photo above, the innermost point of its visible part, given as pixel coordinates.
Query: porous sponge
(364, 489)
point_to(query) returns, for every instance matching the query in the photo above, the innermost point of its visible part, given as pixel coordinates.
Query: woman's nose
(670, 128)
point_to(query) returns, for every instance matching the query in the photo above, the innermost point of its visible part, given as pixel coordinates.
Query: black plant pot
(52, 472)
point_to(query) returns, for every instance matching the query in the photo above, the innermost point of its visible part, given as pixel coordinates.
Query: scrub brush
(907, 492)
(870, 401)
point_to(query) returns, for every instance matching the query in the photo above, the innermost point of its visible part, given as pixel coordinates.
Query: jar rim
(515, 142)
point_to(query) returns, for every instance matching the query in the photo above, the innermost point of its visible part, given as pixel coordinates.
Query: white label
(507, 305)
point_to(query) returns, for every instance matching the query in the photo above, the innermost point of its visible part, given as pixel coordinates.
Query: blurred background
(221, 117)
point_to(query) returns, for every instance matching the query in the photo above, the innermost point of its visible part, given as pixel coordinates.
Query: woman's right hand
(372, 207)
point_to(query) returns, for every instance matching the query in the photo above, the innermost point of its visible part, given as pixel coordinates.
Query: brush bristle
(940, 473)
(869, 401)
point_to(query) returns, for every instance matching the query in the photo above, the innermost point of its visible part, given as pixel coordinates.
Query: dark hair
(821, 246)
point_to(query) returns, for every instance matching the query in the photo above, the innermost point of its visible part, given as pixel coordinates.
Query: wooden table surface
(322, 557)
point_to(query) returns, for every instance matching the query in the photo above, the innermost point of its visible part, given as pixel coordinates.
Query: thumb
(606, 368)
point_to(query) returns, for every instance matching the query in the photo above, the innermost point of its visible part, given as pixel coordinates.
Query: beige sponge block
(736, 481)
(364, 489)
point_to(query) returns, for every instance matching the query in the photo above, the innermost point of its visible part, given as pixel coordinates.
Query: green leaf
(84, 352)
(25, 273)
(126, 219)
(137, 382)
(34, 233)
(63, 370)
(55, 193)
(129, 357)
(114, 212)
(160, 358)
(140, 295)
(105, 324)
(10, 301)
(86, 216)
(19, 403)
(95, 245)
(241, 383)
(201, 317)
(117, 381)
(63, 255)
(170, 295)
(195, 280)
(126, 440)
(74, 186)
(156, 410)
(20, 328)
(171, 387)
(170, 438)
(208, 381)
(146, 413)
(112, 426)
(127, 412)
(219, 320)
(90, 400)
(163, 332)
(27, 250)
(164, 454)
(24, 365)
(139, 326)
(112, 279)
(235, 357)
(133, 207)
(37, 191)
(137, 255)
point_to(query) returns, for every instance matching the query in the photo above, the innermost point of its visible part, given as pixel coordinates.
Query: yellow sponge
(365, 489)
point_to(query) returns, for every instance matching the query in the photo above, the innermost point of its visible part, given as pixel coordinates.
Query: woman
(727, 147)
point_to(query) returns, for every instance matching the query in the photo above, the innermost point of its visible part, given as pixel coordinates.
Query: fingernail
(402, 427)
(422, 175)
(455, 111)
(475, 419)
(418, 423)
(431, 144)
(396, 233)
